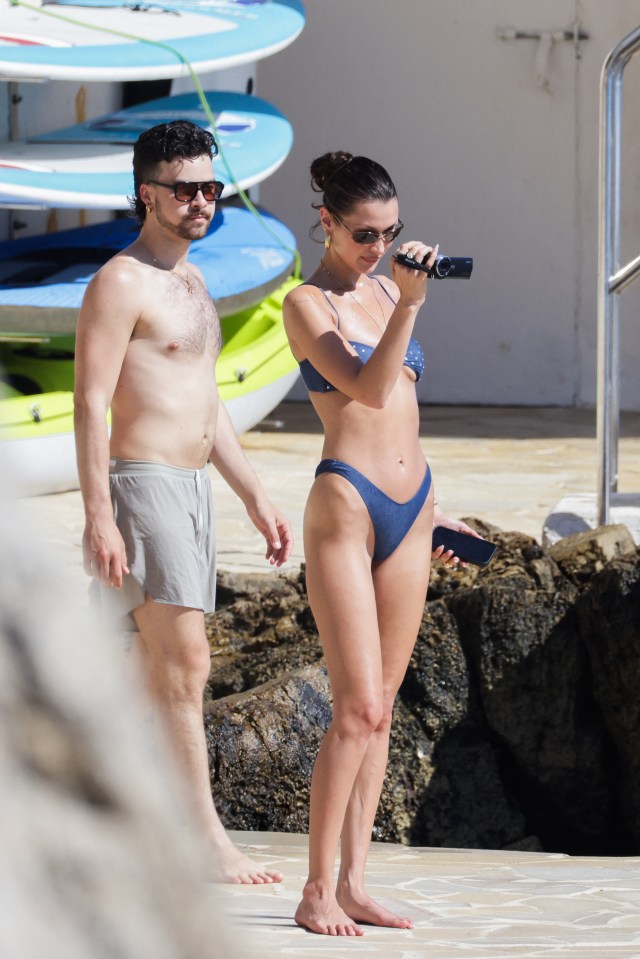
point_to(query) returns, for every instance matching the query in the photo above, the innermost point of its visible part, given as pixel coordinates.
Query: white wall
(488, 163)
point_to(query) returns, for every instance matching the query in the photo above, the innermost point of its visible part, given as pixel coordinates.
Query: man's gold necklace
(356, 300)
(167, 269)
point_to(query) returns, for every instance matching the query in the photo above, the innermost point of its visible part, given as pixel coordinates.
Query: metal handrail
(612, 278)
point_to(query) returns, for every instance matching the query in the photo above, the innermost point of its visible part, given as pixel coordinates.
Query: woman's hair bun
(345, 180)
(324, 167)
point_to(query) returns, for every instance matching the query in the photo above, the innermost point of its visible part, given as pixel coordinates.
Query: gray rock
(581, 555)
(262, 747)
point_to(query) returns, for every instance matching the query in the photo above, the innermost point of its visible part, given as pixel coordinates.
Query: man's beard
(186, 229)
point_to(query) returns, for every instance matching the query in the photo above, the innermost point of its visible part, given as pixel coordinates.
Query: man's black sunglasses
(185, 191)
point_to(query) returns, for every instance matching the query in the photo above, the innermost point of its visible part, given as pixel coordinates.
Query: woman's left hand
(448, 557)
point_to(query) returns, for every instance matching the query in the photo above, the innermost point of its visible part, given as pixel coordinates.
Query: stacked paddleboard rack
(247, 260)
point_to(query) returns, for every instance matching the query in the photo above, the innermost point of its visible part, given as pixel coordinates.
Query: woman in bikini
(369, 516)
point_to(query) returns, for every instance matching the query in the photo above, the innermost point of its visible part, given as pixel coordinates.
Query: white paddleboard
(89, 165)
(121, 40)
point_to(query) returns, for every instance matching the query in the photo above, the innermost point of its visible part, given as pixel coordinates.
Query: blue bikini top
(316, 383)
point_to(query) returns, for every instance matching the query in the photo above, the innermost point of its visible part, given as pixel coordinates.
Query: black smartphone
(470, 549)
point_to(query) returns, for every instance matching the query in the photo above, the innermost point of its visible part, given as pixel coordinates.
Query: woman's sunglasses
(185, 191)
(368, 236)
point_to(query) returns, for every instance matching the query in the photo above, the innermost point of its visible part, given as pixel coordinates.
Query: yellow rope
(205, 105)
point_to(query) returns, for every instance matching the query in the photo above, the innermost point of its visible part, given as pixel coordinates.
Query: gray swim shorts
(166, 518)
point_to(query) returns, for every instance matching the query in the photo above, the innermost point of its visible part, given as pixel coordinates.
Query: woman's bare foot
(231, 865)
(319, 912)
(362, 908)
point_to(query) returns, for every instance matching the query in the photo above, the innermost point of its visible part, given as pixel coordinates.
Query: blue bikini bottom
(391, 520)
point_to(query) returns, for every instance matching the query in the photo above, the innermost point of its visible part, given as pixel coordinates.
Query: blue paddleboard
(43, 278)
(120, 40)
(88, 165)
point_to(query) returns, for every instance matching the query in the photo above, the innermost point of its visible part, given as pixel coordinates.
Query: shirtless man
(147, 342)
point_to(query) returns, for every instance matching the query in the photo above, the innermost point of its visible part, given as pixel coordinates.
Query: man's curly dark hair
(166, 141)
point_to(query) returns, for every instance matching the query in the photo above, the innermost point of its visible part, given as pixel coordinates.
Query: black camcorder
(454, 267)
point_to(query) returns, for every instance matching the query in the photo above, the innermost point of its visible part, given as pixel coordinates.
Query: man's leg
(177, 661)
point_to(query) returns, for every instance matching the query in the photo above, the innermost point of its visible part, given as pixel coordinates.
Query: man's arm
(104, 328)
(228, 458)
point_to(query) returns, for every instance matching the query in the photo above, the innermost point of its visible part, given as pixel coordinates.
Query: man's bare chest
(182, 321)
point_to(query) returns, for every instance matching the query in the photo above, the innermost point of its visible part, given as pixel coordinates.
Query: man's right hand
(103, 551)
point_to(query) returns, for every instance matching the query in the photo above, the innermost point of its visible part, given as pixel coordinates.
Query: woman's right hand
(412, 284)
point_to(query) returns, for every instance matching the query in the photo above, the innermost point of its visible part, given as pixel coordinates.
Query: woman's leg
(342, 598)
(400, 584)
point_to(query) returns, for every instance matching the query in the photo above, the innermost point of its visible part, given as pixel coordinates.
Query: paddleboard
(208, 34)
(43, 278)
(88, 165)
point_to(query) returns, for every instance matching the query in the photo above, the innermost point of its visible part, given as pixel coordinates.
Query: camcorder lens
(442, 266)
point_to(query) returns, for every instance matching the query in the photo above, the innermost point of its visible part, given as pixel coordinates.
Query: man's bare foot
(319, 912)
(231, 865)
(362, 908)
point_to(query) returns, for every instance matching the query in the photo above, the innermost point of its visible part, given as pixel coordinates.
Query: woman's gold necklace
(384, 322)
(356, 300)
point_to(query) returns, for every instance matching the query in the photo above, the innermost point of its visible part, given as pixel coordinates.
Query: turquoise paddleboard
(112, 40)
(43, 278)
(89, 165)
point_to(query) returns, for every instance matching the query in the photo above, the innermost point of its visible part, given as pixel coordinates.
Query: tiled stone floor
(466, 904)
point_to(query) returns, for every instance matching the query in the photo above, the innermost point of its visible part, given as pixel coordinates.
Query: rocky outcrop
(519, 630)
(262, 629)
(609, 615)
(267, 740)
(517, 724)
(443, 768)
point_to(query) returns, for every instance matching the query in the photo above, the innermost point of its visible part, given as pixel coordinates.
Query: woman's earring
(149, 209)
(327, 241)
